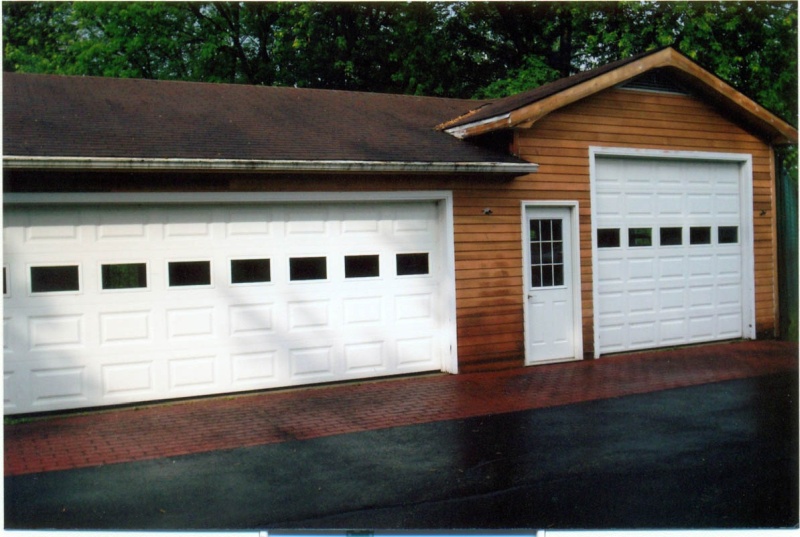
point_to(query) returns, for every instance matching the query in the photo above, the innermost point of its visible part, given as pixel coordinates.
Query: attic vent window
(656, 82)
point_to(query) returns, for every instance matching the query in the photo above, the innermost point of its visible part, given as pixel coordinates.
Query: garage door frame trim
(745, 161)
(443, 199)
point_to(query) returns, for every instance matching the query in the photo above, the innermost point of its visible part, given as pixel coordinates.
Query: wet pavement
(715, 455)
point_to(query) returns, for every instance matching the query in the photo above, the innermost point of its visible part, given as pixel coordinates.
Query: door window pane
(54, 279)
(671, 236)
(608, 238)
(308, 268)
(412, 264)
(250, 270)
(547, 252)
(124, 276)
(186, 273)
(728, 235)
(700, 235)
(361, 266)
(640, 236)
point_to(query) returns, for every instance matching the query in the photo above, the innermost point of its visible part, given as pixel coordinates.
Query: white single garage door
(117, 304)
(671, 245)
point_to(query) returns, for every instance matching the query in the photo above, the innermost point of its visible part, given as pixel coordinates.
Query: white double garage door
(109, 304)
(673, 249)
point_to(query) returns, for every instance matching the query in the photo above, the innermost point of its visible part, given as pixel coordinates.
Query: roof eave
(264, 166)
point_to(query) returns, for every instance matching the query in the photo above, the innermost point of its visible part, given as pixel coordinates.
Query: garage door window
(412, 264)
(671, 236)
(700, 235)
(250, 271)
(124, 276)
(189, 273)
(608, 238)
(55, 279)
(640, 236)
(728, 235)
(308, 268)
(361, 266)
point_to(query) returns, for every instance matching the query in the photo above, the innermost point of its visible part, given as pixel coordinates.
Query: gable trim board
(545, 100)
(669, 321)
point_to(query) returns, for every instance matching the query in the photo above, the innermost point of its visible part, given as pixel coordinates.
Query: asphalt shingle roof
(48, 115)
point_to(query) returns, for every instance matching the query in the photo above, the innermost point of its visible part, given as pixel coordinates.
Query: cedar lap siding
(587, 110)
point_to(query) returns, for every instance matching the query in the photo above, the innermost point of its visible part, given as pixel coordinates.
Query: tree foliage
(455, 49)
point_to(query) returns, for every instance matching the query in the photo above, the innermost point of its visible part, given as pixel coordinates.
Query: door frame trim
(575, 252)
(745, 161)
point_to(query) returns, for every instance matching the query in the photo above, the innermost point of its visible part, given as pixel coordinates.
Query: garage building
(173, 239)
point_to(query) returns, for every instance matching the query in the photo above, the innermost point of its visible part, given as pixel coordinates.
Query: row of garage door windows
(64, 278)
(668, 236)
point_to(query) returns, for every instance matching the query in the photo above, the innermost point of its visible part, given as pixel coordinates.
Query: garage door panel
(365, 356)
(66, 385)
(671, 268)
(690, 288)
(188, 374)
(255, 369)
(251, 320)
(128, 380)
(126, 328)
(259, 327)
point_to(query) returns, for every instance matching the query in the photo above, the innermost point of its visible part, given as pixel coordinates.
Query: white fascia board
(236, 165)
(461, 131)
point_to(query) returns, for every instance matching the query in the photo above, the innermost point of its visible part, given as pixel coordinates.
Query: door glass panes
(124, 276)
(308, 268)
(187, 273)
(547, 252)
(671, 236)
(700, 235)
(412, 264)
(250, 270)
(361, 266)
(54, 279)
(640, 236)
(608, 238)
(728, 235)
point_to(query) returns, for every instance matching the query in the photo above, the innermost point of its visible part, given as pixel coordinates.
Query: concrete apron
(721, 455)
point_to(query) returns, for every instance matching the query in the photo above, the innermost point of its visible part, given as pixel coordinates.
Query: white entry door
(549, 286)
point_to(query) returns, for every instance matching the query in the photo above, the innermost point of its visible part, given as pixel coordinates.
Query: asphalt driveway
(716, 455)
